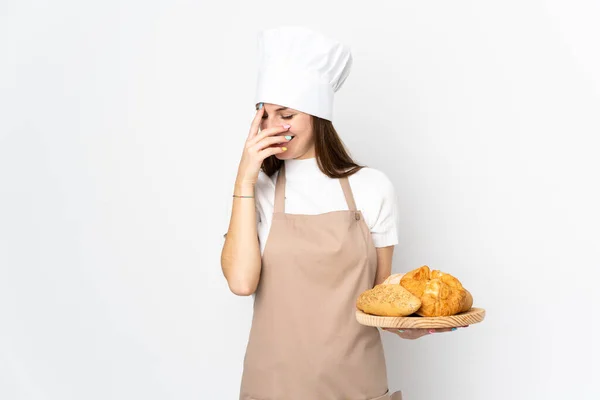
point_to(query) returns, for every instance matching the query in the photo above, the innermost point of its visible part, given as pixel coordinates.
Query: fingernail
(288, 137)
(284, 148)
(286, 126)
(432, 331)
(400, 330)
(260, 105)
(453, 329)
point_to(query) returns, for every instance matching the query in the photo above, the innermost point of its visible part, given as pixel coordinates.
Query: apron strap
(348, 193)
(280, 190)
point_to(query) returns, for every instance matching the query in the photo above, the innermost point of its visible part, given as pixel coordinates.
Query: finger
(440, 330)
(413, 334)
(273, 131)
(411, 331)
(400, 333)
(256, 122)
(268, 132)
(269, 151)
(254, 127)
(266, 142)
(410, 334)
(393, 329)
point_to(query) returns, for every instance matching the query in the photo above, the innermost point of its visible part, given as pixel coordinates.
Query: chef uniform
(305, 343)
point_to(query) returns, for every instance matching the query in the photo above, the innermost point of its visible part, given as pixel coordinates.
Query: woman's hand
(257, 148)
(415, 333)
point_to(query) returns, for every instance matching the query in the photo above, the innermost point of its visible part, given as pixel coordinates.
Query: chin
(284, 156)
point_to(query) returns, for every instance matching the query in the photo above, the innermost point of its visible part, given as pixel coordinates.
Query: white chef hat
(301, 69)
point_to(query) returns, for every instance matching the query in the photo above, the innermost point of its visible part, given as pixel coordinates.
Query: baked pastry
(468, 302)
(438, 294)
(388, 300)
(416, 280)
(441, 294)
(393, 279)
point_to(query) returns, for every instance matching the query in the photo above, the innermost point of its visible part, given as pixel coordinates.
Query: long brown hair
(332, 157)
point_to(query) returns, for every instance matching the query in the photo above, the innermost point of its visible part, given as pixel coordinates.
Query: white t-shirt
(310, 191)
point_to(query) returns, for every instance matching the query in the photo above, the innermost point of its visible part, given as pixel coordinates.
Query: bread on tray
(390, 300)
(436, 294)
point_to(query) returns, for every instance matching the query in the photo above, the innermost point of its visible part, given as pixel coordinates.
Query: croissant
(441, 294)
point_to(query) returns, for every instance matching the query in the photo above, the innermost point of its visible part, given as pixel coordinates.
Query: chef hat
(301, 69)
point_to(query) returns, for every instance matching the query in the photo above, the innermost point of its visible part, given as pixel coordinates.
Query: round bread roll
(393, 279)
(468, 302)
(442, 297)
(416, 280)
(388, 300)
(441, 294)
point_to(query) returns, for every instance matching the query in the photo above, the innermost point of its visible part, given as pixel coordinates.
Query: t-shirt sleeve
(385, 228)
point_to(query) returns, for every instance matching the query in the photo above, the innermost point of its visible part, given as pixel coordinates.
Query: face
(302, 144)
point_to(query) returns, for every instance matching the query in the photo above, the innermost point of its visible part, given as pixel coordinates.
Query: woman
(310, 230)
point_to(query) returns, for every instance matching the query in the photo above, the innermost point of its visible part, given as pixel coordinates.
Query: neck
(302, 168)
(309, 154)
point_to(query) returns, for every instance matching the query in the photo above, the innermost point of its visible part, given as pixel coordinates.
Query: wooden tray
(473, 316)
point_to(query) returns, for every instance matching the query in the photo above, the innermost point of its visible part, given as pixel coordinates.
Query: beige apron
(305, 343)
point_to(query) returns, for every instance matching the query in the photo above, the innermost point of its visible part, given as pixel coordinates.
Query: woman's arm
(384, 263)
(240, 257)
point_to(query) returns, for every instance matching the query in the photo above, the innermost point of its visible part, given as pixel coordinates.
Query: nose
(267, 122)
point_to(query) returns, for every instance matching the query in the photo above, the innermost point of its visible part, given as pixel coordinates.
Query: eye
(283, 116)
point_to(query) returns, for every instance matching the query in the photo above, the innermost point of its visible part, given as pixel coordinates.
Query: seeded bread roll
(388, 300)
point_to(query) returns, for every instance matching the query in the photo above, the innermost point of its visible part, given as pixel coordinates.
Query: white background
(121, 128)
